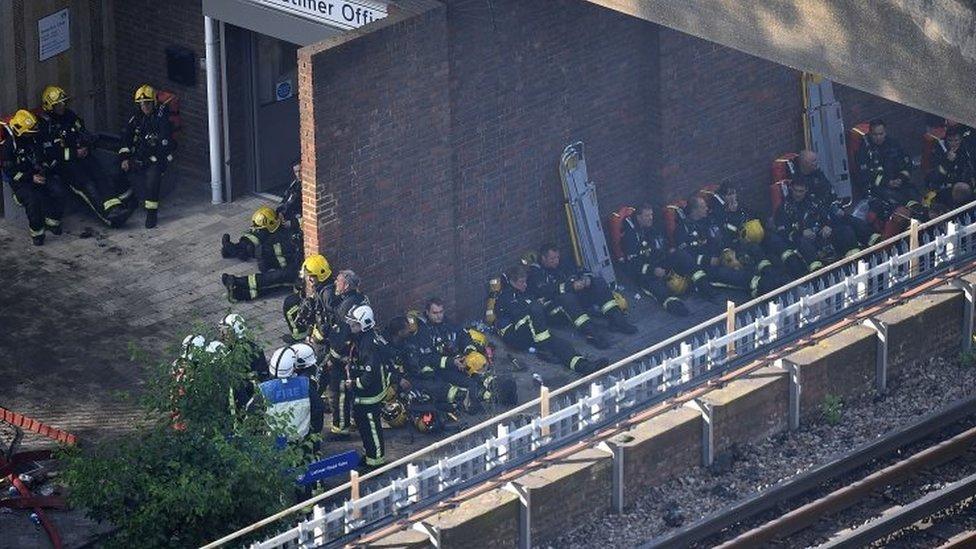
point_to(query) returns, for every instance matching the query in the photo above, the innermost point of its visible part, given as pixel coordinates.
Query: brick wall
(143, 30)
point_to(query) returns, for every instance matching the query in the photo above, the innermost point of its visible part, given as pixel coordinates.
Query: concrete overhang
(921, 53)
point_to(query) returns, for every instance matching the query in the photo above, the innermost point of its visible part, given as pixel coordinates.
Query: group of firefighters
(49, 154)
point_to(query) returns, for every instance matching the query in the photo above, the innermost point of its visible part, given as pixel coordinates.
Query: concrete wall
(577, 486)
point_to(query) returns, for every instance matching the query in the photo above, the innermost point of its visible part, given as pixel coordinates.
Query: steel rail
(845, 497)
(791, 488)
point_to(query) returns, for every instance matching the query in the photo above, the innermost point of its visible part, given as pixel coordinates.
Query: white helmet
(282, 362)
(235, 322)
(192, 343)
(215, 347)
(304, 356)
(361, 315)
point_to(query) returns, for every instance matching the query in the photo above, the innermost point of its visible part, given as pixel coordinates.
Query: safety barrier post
(708, 433)
(912, 246)
(503, 447)
(730, 326)
(796, 389)
(544, 408)
(969, 294)
(354, 491)
(525, 514)
(773, 328)
(686, 359)
(596, 410)
(413, 491)
(881, 365)
(616, 452)
(862, 285)
(318, 533)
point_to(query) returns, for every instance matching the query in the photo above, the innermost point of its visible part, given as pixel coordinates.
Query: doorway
(276, 128)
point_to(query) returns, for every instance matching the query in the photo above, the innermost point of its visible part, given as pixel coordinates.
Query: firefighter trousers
(576, 304)
(291, 308)
(86, 179)
(371, 432)
(152, 173)
(341, 398)
(533, 331)
(651, 284)
(257, 285)
(44, 203)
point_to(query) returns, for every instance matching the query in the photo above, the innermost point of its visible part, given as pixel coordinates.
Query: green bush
(831, 409)
(179, 487)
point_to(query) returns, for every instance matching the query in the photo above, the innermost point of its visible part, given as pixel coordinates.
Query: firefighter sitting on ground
(78, 169)
(700, 252)
(27, 167)
(806, 224)
(523, 323)
(278, 252)
(147, 147)
(953, 163)
(648, 261)
(573, 294)
(884, 172)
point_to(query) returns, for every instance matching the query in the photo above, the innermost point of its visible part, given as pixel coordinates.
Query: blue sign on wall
(283, 90)
(330, 466)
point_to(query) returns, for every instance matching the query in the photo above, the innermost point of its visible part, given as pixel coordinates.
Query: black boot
(619, 323)
(594, 338)
(150, 219)
(55, 230)
(226, 248)
(228, 281)
(585, 367)
(676, 307)
(38, 240)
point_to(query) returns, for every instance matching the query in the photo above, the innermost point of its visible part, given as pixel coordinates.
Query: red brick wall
(143, 30)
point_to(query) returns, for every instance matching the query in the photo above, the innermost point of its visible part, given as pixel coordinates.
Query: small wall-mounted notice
(283, 90)
(53, 34)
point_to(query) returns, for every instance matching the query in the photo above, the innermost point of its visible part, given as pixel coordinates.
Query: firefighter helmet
(23, 121)
(216, 348)
(677, 283)
(144, 94)
(363, 316)
(304, 356)
(752, 231)
(394, 413)
(282, 363)
(235, 323)
(266, 218)
(621, 300)
(318, 266)
(478, 337)
(192, 343)
(51, 96)
(474, 363)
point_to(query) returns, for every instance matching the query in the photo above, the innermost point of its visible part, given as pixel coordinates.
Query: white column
(213, 113)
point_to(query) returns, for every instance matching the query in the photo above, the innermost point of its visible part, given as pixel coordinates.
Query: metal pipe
(213, 113)
(228, 182)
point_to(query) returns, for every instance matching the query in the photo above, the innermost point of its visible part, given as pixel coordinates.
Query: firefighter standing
(147, 146)
(79, 170)
(290, 398)
(278, 252)
(343, 298)
(648, 260)
(305, 310)
(27, 166)
(290, 208)
(523, 324)
(367, 381)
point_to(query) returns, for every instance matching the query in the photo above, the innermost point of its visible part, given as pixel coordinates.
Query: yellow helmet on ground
(752, 231)
(266, 218)
(394, 413)
(23, 121)
(318, 266)
(145, 93)
(621, 300)
(51, 96)
(677, 283)
(475, 362)
(478, 337)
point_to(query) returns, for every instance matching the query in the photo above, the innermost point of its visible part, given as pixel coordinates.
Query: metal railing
(681, 362)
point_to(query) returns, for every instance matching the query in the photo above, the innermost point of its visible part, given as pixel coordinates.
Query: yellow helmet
(266, 218)
(318, 266)
(145, 93)
(621, 300)
(475, 362)
(677, 283)
(51, 96)
(394, 413)
(23, 121)
(752, 231)
(479, 337)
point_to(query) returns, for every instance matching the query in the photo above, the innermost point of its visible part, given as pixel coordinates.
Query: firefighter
(278, 254)
(27, 166)
(745, 233)
(648, 260)
(78, 169)
(806, 223)
(343, 297)
(291, 400)
(523, 324)
(366, 381)
(884, 171)
(147, 147)
(822, 191)
(233, 332)
(305, 309)
(564, 290)
(701, 255)
(290, 208)
(441, 346)
(265, 223)
(953, 163)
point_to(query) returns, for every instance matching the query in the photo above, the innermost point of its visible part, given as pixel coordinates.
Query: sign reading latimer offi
(345, 14)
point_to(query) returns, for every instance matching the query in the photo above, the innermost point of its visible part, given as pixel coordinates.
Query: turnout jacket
(702, 239)
(148, 137)
(879, 164)
(67, 133)
(947, 172)
(437, 344)
(367, 368)
(795, 217)
(290, 207)
(511, 306)
(643, 245)
(27, 156)
(546, 284)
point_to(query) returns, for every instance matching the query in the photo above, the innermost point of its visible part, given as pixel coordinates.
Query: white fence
(628, 386)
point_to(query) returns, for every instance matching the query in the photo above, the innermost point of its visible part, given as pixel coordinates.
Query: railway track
(874, 493)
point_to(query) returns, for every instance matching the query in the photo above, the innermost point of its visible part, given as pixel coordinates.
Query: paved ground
(70, 310)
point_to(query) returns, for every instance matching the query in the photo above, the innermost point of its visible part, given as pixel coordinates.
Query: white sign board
(53, 34)
(344, 14)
